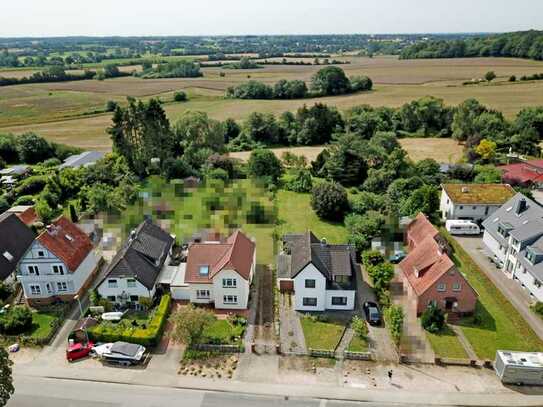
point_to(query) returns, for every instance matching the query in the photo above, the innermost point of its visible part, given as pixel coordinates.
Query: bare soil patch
(443, 150)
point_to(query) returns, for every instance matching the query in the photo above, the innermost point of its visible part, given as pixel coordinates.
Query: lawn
(321, 335)
(42, 324)
(297, 216)
(446, 344)
(358, 344)
(497, 324)
(224, 332)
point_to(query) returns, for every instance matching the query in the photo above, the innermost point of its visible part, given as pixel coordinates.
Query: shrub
(301, 182)
(33, 148)
(111, 105)
(264, 163)
(394, 319)
(5, 291)
(372, 258)
(538, 308)
(359, 326)
(433, 319)
(16, 321)
(180, 96)
(218, 173)
(329, 201)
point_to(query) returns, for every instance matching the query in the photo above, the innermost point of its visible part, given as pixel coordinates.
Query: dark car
(373, 315)
(397, 257)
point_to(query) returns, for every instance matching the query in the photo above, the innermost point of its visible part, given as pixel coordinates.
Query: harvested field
(30, 107)
(309, 152)
(443, 150)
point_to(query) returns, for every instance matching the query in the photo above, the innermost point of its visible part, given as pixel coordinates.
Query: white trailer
(520, 368)
(462, 227)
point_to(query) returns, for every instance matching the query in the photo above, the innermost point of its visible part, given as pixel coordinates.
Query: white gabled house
(134, 272)
(219, 272)
(59, 264)
(322, 276)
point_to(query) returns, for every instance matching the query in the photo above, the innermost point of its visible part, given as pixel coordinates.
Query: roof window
(204, 270)
(8, 256)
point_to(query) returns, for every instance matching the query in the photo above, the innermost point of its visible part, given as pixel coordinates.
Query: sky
(222, 17)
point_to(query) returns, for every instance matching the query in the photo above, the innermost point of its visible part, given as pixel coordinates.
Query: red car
(78, 351)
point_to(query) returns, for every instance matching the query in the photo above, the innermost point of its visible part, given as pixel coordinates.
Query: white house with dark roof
(134, 271)
(322, 276)
(514, 235)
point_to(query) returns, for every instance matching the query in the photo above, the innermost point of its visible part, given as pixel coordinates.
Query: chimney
(465, 190)
(521, 206)
(323, 242)
(132, 234)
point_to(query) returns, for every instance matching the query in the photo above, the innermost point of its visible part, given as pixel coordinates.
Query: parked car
(373, 315)
(76, 351)
(397, 257)
(122, 353)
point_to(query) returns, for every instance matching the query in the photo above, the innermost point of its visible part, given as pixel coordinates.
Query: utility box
(521, 368)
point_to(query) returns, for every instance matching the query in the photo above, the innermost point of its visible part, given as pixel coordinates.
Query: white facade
(529, 283)
(43, 275)
(475, 212)
(124, 289)
(494, 246)
(310, 293)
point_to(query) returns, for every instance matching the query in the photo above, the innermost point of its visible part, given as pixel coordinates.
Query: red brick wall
(466, 297)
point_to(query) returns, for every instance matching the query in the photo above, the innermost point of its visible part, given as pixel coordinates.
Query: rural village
(360, 220)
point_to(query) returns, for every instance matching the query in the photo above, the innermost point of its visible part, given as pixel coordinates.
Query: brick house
(429, 274)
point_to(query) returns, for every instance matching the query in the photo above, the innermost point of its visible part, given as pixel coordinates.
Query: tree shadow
(480, 319)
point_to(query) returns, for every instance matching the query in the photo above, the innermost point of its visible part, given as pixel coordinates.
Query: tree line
(526, 44)
(329, 81)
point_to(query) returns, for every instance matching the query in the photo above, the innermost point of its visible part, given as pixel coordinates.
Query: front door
(449, 304)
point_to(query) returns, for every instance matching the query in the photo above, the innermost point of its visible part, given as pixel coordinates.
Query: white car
(123, 353)
(113, 316)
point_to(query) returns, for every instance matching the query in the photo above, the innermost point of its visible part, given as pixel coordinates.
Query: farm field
(59, 111)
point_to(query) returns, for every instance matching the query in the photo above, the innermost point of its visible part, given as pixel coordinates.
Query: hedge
(150, 336)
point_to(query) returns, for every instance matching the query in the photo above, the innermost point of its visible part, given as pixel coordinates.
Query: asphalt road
(46, 392)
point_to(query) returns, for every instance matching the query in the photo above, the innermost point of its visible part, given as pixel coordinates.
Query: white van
(462, 227)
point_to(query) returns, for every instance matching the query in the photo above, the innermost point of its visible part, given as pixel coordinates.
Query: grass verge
(321, 335)
(446, 344)
(358, 344)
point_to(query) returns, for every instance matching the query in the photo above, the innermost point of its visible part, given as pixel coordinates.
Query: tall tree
(141, 132)
(6, 381)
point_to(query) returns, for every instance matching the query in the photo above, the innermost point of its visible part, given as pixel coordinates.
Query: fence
(357, 355)
(209, 347)
(322, 353)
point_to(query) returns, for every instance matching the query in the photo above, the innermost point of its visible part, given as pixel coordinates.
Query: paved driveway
(512, 290)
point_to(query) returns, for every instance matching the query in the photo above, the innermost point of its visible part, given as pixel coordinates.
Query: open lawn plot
(242, 204)
(297, 216)
(310, 152)
(321, 334)
(496, 323)
(446, 344)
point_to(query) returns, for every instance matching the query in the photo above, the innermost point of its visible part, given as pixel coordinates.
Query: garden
(142, 328)
(33, 327)
(322, 333)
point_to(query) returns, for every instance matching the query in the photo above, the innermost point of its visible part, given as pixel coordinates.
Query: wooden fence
(357, 355)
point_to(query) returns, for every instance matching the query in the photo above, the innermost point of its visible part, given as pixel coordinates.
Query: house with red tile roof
(526, 173)
(59, 264)
(430, 276)
(220, 272)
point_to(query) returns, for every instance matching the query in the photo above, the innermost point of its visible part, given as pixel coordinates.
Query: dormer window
(203, 271)
(504, 229)
(531, 256)
(8, 256)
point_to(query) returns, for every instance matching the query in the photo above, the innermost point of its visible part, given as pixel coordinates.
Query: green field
(497, 324)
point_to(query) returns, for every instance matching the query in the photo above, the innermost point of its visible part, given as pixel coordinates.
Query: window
(111, 298)
(432, 303)
(134, 298)
(58, 269)
(230, 299)
(457, 287)
(111, 283)
(441, 287)
(202, 294)
(474, 208)
(229, 283)
(339, 300)
(62, 286)
(33, 270)
(461, 207)
(41, 253)
(35, 289)
(131, 283)
(49, 288)
(309, 302)
(204, 270)
(310, 284)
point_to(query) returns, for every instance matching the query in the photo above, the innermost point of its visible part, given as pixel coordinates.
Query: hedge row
(150, 336)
